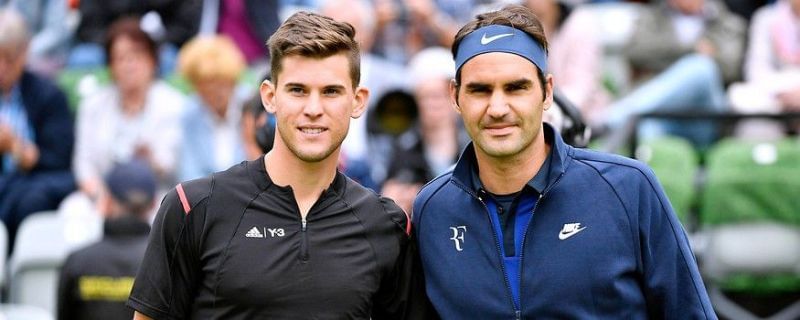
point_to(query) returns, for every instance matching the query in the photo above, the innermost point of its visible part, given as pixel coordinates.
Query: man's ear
(360, 102)
(454, 95)
(548, 90)
(267, 91)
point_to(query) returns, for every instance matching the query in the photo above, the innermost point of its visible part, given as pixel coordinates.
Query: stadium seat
(3, 253)
(676, 165)
(23, 312)
(751, 216)
(39, 251)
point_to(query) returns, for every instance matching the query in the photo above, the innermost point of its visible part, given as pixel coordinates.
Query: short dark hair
(129, 27)
(515, 16)
(313, 35)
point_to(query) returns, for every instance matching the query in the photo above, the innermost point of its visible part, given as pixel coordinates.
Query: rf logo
(458, 236)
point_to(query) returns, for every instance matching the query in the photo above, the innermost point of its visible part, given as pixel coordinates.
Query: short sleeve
(165, 284)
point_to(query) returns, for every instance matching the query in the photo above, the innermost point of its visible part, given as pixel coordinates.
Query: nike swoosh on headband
(486, 40)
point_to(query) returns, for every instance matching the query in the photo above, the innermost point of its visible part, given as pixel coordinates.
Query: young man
(286, 236)
(526, 226)
(96, 280)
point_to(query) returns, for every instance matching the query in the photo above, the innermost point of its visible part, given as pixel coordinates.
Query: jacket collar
(258, 173)
(466, 166)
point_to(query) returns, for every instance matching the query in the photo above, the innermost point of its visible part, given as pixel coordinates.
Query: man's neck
(509, 175)
(308, 180)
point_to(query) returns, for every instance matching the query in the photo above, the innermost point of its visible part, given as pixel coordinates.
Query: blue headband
(500, 38)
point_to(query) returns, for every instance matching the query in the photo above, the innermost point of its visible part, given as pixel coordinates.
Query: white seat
(23, 312)
(3, 253)
(39, 251)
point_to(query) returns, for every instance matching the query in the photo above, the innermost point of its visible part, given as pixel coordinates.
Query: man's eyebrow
(519, 83)
(472, 86)
(335, 86)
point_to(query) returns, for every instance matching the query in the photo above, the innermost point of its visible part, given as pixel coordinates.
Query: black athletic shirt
(241, 252)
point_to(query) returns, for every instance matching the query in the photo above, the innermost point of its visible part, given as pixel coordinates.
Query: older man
(36, 132)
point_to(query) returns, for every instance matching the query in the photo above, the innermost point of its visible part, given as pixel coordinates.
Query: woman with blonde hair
(213, 65)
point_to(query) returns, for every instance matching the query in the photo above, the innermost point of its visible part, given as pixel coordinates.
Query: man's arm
(139, 316)
(671, 282)
(167, 278)
(402, 295)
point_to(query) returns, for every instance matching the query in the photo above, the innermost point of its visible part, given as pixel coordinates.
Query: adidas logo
(254, 233)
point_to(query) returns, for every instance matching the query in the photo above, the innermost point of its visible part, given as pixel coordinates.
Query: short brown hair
(515, 16)
(313, 35)
(129, 27)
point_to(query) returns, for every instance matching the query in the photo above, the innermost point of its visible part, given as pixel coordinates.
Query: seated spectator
(435, 143)
(771, 68)
(257, 128)
(171, 22)
(377, 74)
(211, 140)
(684, 51)
(575, 57)
(52, 24)
(247, 22)
(96, 280)
(137, 116)
(406, 27)
(36, 132)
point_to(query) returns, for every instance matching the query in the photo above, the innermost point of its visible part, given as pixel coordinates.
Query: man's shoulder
(365, 202)
(435, 185)
(37, 87)
(232, 178)
(614, 169)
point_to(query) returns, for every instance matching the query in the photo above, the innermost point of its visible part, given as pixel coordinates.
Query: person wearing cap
(95, 281)
(528, 227)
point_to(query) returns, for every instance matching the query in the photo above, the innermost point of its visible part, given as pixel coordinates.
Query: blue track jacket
(603, 243)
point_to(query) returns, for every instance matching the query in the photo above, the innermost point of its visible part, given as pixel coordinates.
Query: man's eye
(330, 92)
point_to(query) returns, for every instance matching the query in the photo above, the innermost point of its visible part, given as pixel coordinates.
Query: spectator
(435, 143)
(684, 51)
(96, 280)
(247, 22)
(771, 67)
(171, 22)
(575, 57)
(137, 116)
(36, 132)
(211, 140)
(377, 74)
(406, 27)
(258, 128)
(52, 24)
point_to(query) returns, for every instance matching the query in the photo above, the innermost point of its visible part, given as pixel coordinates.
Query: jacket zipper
(525, 238)
(499, 254)
(303, 240)
(522, 249)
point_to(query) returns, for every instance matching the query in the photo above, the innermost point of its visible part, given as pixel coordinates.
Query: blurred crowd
(87, 85)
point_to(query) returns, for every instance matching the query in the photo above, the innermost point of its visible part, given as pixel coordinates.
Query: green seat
(675, 163)
(750, 210)
(752, 182)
